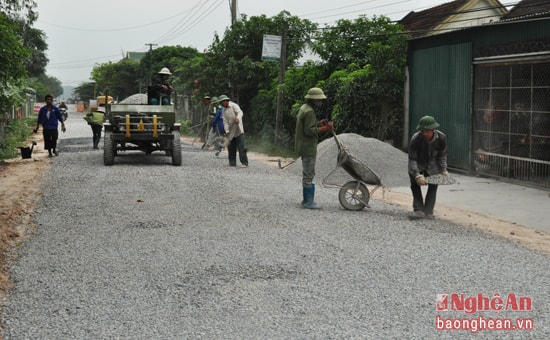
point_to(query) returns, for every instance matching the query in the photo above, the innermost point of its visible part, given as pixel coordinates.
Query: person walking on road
(95, 120)
(49, 116)
(306, 139)
(427, 157)
(233, 126)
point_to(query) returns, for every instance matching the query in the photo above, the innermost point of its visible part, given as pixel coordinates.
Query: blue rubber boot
(309, 196)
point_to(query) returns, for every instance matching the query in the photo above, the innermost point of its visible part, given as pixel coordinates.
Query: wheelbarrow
(26, 152)
(353, 195)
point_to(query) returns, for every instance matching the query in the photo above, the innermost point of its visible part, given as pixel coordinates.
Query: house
(135, 56)
(452, 16)
(488, 86)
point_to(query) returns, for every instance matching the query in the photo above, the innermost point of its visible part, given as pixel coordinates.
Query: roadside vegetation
(16, 134)
(359, 64)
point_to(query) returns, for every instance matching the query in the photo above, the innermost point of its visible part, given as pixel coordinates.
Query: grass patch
(16, 133)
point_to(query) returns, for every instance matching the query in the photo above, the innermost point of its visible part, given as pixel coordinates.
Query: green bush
(16, 133)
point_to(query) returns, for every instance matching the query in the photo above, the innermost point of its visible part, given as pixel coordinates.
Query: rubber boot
(309, 196)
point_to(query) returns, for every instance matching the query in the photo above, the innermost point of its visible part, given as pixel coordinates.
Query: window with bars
(511, 120)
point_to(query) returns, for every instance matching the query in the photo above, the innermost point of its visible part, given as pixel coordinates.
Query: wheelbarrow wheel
(354, 196)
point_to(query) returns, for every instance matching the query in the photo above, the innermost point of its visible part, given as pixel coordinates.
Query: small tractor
(146, 128)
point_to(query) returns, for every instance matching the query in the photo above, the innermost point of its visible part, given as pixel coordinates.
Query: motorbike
(64, 113)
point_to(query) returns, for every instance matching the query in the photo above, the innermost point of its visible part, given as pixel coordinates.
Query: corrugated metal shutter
(441, 85)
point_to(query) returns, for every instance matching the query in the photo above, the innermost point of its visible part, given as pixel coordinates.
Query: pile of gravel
(138, 98)
(388, 162)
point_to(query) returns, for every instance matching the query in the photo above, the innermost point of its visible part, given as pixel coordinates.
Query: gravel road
(147, 250)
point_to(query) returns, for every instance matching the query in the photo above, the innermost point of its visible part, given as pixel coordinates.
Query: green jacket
(306, 136)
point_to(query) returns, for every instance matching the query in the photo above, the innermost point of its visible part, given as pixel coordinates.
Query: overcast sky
(81, 33)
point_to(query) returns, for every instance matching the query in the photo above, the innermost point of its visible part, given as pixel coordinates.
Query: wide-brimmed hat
(215, 100)
(206, 97)
(165, 70)
(315, 93)
(223, 97)
(427, 123)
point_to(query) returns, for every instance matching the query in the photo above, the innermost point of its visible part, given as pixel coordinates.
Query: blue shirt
(55, 116)
(217, 122)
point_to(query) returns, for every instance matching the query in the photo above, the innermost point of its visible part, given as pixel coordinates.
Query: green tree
(86, 91)
(44, 85)
(367, 59)
(119, 80)
(236, 60)
(166, 56)
(19, 9)
(12, 70)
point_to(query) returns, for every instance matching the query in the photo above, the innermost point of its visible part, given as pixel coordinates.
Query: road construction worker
(427, 156)
(160, 90)
(234, 129)
(95, 120)
(306, 139)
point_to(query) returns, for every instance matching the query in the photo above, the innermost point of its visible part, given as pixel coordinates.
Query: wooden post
(282, 71)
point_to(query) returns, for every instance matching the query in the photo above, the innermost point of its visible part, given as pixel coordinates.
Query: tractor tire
(176, 149)
(109, 149)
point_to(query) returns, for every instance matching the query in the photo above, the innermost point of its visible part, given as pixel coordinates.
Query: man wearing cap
(427, 156)
(306, 139)
(234, 129)
(161, 89)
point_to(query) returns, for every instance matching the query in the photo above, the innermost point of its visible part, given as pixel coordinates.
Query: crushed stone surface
(138, 98)
(146, 250)
(388, 162)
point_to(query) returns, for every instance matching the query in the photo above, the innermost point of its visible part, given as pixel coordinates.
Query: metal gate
(511, 118)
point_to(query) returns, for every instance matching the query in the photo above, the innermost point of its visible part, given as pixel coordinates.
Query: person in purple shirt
(49, 116)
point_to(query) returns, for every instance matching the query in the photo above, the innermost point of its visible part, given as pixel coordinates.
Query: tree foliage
(45, 84)
(12, 53)
(118, 80)
(367, 59)
(19, 10)
(166, 56)
(361, 70)
(237, 58)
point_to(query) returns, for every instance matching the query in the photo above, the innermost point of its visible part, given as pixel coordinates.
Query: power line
(183, 27)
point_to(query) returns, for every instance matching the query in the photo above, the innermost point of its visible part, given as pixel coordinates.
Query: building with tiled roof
(452, 16)
(529, 9)
(135, 56)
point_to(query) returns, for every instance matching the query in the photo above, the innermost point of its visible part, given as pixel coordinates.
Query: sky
(83, 33)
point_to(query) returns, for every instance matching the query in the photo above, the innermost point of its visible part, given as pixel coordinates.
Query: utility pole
(282, 71)
(150, 60)
(233, 12)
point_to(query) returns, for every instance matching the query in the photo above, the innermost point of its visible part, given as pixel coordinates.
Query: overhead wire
(198, 13)
(187, 23)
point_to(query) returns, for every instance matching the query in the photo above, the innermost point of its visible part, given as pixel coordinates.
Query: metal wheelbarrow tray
(353, 195)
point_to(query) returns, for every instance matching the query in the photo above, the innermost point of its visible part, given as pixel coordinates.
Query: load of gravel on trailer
(388, 162)
(138, 99)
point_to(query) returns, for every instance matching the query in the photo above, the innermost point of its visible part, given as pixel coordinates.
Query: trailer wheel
(354, 196)
(176, 149)
(108, 149)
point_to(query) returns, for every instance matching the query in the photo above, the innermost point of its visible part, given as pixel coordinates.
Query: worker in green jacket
(306, 139)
